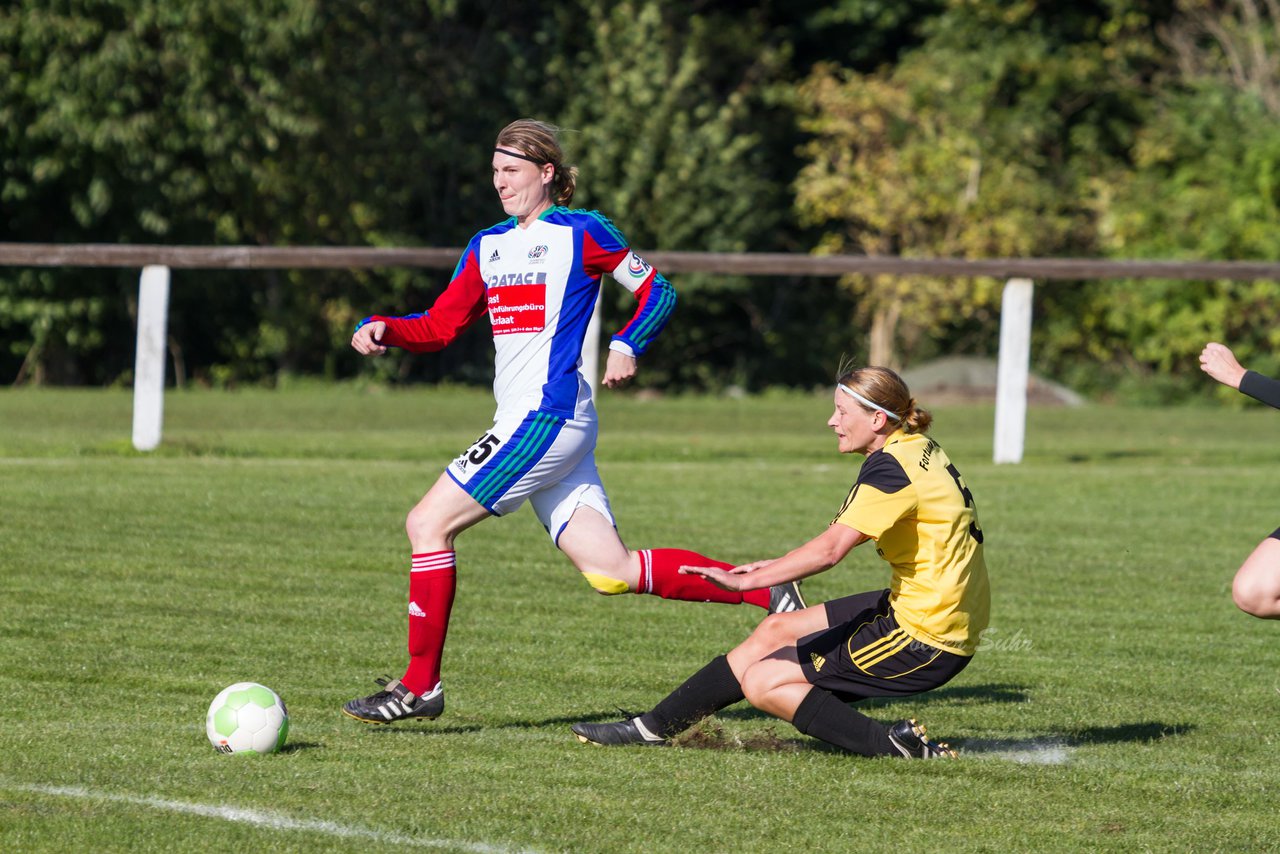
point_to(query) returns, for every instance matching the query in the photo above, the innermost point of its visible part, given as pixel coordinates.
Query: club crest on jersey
(538, 251)
(637, 266)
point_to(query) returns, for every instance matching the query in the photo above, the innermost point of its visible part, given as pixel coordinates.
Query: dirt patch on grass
(709, 734)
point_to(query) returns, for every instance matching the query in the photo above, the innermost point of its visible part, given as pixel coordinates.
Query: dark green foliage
(1112, 128)
(298, 123)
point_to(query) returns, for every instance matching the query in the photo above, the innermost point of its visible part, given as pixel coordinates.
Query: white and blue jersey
(539, 286)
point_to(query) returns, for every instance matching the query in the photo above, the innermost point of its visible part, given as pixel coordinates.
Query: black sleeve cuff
(1261, 388)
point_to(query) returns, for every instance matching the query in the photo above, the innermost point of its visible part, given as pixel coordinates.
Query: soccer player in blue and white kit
(537, 275)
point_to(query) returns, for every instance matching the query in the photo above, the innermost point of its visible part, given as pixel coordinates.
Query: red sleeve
(453, 311)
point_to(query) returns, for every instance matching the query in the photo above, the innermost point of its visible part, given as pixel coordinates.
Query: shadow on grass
(421, 727)
(1100, 456)
(425, 727)
(1145, 731)
(710, 734)
(992, 693)
(989, 693)
(299, 746)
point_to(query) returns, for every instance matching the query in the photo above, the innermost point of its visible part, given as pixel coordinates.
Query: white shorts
(543, 458)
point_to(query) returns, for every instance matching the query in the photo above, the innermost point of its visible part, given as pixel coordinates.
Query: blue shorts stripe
(529, 443)
(495, 477)
(527, 451)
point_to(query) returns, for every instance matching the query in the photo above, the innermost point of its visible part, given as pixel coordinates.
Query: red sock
(432, 582)
(660, 575)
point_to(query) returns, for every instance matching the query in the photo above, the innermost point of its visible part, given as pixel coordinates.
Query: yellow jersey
(911, 500)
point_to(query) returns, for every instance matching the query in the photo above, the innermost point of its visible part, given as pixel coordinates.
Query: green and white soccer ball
(247, 718)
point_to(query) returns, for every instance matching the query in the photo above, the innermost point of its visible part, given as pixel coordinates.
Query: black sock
(822, 716)
(704, 693)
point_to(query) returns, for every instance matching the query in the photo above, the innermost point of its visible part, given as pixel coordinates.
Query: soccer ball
(247, 718)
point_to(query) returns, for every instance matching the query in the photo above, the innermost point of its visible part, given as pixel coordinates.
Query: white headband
(844, 388)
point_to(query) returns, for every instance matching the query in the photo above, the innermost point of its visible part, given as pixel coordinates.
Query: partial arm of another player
(1260, 388)
(1219, 362)
(821, 553)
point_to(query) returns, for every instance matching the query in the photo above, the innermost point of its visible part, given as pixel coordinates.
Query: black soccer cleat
(395, 703)
(785, 597)
(621, 732)
(909, 739)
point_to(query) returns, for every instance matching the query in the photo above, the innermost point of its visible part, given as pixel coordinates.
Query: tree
(139, 122)
(1205, 184)
(279, 123)
(665, 121)
(980, 143)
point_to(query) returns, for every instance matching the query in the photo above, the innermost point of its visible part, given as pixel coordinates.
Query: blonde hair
(885, 388)
(540, 142)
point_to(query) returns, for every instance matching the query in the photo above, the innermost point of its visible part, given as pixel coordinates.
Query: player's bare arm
(819, 554)
(753, 566)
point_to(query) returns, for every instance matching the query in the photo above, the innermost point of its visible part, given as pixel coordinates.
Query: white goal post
(148, 367)
(1013, 371)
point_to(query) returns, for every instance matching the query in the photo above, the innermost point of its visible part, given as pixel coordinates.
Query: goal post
(1013, 371)
(148, 368)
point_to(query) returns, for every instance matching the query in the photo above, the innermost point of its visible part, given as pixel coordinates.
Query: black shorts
(865, 653)
(1275, 535)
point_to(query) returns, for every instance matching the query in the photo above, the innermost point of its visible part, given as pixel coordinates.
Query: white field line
(1049, 755)
(264, 818)
(1024, 752)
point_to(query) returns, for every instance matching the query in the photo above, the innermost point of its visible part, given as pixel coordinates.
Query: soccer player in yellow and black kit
(807, 666)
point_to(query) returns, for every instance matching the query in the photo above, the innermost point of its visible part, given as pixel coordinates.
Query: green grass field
(1122, 703)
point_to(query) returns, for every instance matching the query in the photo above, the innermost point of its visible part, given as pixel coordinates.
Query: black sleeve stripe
(847, 501)
(1260, 388)
(884, 472)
